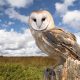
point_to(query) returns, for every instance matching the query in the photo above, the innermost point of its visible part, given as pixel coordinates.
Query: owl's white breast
(41, 43)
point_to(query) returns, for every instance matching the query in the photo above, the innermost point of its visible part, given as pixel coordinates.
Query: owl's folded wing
(58, 37)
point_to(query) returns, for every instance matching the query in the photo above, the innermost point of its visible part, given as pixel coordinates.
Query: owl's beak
(39, 23)
(39, 26)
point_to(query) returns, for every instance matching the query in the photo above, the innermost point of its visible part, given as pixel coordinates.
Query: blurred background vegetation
(24, 68)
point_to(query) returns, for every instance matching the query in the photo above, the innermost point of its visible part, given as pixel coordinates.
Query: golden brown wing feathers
(64, 39)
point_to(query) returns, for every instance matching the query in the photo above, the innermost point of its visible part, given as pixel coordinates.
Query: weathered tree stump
(71, 70)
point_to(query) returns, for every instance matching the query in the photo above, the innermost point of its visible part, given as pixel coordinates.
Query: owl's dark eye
(43, 19)
(34, 19)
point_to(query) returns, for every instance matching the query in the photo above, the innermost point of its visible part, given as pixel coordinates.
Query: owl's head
(41, 20)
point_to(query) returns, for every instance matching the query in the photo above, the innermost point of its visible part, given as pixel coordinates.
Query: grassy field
(23, 68)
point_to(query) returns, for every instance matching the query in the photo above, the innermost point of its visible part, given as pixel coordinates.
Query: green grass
(20, 72)
(27, 68)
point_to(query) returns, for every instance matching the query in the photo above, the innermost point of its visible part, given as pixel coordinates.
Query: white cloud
(18, 44)
(62, 8)
(10, 23)
(78, 37)
(11, 12)
(7, 24)
(15, 15)
(16, 3)
(69, 2)
(19, 3)
(72, 18)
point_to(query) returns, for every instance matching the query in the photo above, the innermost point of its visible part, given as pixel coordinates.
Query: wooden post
(71, 70)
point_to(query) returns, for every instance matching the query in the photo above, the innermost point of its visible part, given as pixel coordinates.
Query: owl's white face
(41, 20)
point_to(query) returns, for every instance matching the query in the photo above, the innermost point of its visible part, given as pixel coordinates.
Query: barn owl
(55, 42)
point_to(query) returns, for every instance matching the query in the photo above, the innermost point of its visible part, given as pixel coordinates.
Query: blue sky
(28, 6)
(15, 37)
